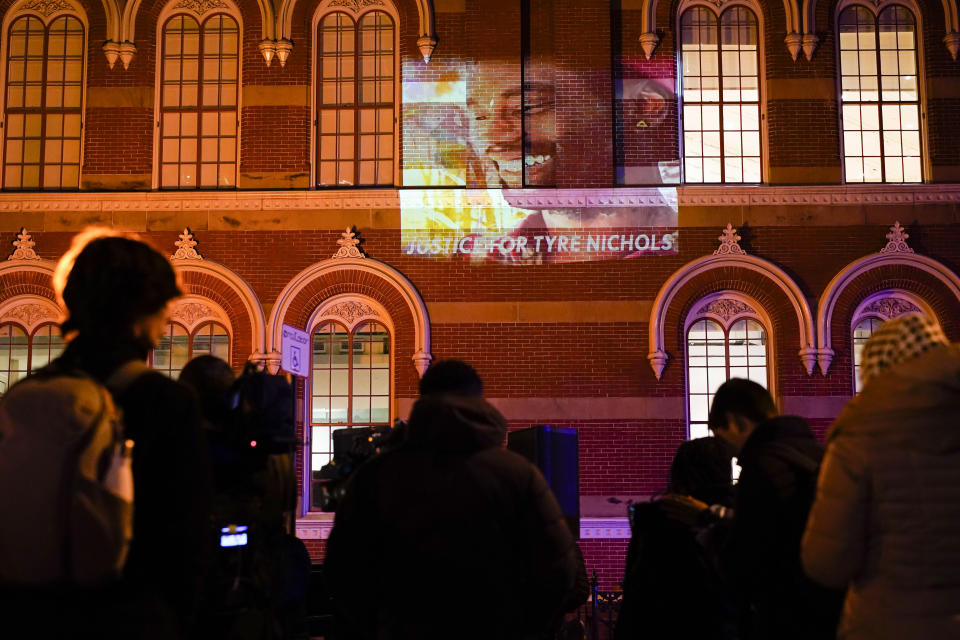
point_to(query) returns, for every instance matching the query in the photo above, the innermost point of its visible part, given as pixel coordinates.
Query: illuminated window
(20, 356)
(198, 102)
(178, 346)
(720, 91)
(718, 350)
(350, 383)
(880, 95)
(356, 94)
(873, 312)
(43, 106)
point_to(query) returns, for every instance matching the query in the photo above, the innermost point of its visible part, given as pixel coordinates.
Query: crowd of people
(119, 487)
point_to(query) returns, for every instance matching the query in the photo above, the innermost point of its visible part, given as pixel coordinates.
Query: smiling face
(512, 126)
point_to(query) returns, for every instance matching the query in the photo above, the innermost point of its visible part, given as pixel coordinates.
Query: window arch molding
(202, 268)
(325, 8)
(658, 355)
(46, 12)
(30, 312)
(828, 299)
(876, 7)
(365, 268)
(718, 8)
(199, 10)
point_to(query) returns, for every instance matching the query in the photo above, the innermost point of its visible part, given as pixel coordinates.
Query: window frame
(926, 166)
(15, 12)
(191, 337)
(864, 311)
(362, 311)
(718, 11)
(169, 12)
(30, 333)
(754, 311)
(324, 9)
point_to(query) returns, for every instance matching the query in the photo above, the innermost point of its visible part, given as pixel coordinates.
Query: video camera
(351, 448)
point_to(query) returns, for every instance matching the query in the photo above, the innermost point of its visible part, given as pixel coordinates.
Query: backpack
(66, 480)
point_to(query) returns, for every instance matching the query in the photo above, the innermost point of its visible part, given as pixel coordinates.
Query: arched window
(43, 104)
(356, 95)
(199, 80)
(873, 312)
(350, 383)
(21, 355)
(880, 94)
(178, 346)
(720, 95)
(725, 339)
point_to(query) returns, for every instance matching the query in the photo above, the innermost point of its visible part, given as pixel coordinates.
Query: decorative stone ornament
(892, 307)
(649, 42)
(726, 308)
(349, 246)
(952, 40)
(356, 5)
(426, 45)
(46, 8)
(200, 7)
(729, 243)
(897, 240)
(794, 42)
(350, 311)
(186, 247)
(30, 315)
(24, 247)
(810, 44)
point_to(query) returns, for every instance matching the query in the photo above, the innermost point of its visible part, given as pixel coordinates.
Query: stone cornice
(819, 195)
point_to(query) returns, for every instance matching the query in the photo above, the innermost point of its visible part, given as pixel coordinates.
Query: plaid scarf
(897, 341)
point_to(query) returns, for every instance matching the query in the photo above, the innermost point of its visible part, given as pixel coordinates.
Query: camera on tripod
(351, 448)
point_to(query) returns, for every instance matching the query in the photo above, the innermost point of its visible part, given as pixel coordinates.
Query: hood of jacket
(455, 424)
(790, 430)
(913, 405)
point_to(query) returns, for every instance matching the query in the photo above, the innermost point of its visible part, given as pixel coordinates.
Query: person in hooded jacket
(778, 458)
(885, 524)
(449, 535)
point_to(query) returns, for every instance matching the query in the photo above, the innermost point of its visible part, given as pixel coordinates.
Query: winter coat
(886, 521)
(449, 535)
(762, 554)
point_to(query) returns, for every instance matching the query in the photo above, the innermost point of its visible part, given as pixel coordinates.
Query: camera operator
(449, 535)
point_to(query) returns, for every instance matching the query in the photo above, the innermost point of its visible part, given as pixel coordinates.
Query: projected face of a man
(512, 126)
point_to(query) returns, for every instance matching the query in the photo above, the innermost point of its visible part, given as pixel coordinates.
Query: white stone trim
(319, 526)
(389, 198)
(839, 283)
(191, 311)
(658, 356)
(30, 311)
(243, 290)
(418, 309)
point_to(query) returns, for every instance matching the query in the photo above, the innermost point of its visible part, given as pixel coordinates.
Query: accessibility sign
(295, 351)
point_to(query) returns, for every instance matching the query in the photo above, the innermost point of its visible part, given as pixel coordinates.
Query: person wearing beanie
(116, 291)
(885, 523)
(449, 535)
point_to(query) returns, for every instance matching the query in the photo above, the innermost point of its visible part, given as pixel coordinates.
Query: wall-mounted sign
(295, 351)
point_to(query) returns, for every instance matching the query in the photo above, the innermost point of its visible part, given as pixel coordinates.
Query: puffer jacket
(449, 535)
(886, 520)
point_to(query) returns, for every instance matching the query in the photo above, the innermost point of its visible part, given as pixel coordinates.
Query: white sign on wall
(295, 351)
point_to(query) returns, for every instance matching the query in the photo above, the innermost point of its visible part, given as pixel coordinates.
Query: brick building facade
(254, 207)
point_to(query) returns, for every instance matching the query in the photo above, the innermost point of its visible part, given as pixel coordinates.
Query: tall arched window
(880, 94)
(726, 339)
(43, 104)
(356, 94)
(178, 346)
(873, 312)
(350, 383)
(22, 354)
(199, 80)
(720, 94)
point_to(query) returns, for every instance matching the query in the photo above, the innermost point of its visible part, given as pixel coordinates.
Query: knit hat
(897, 341)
